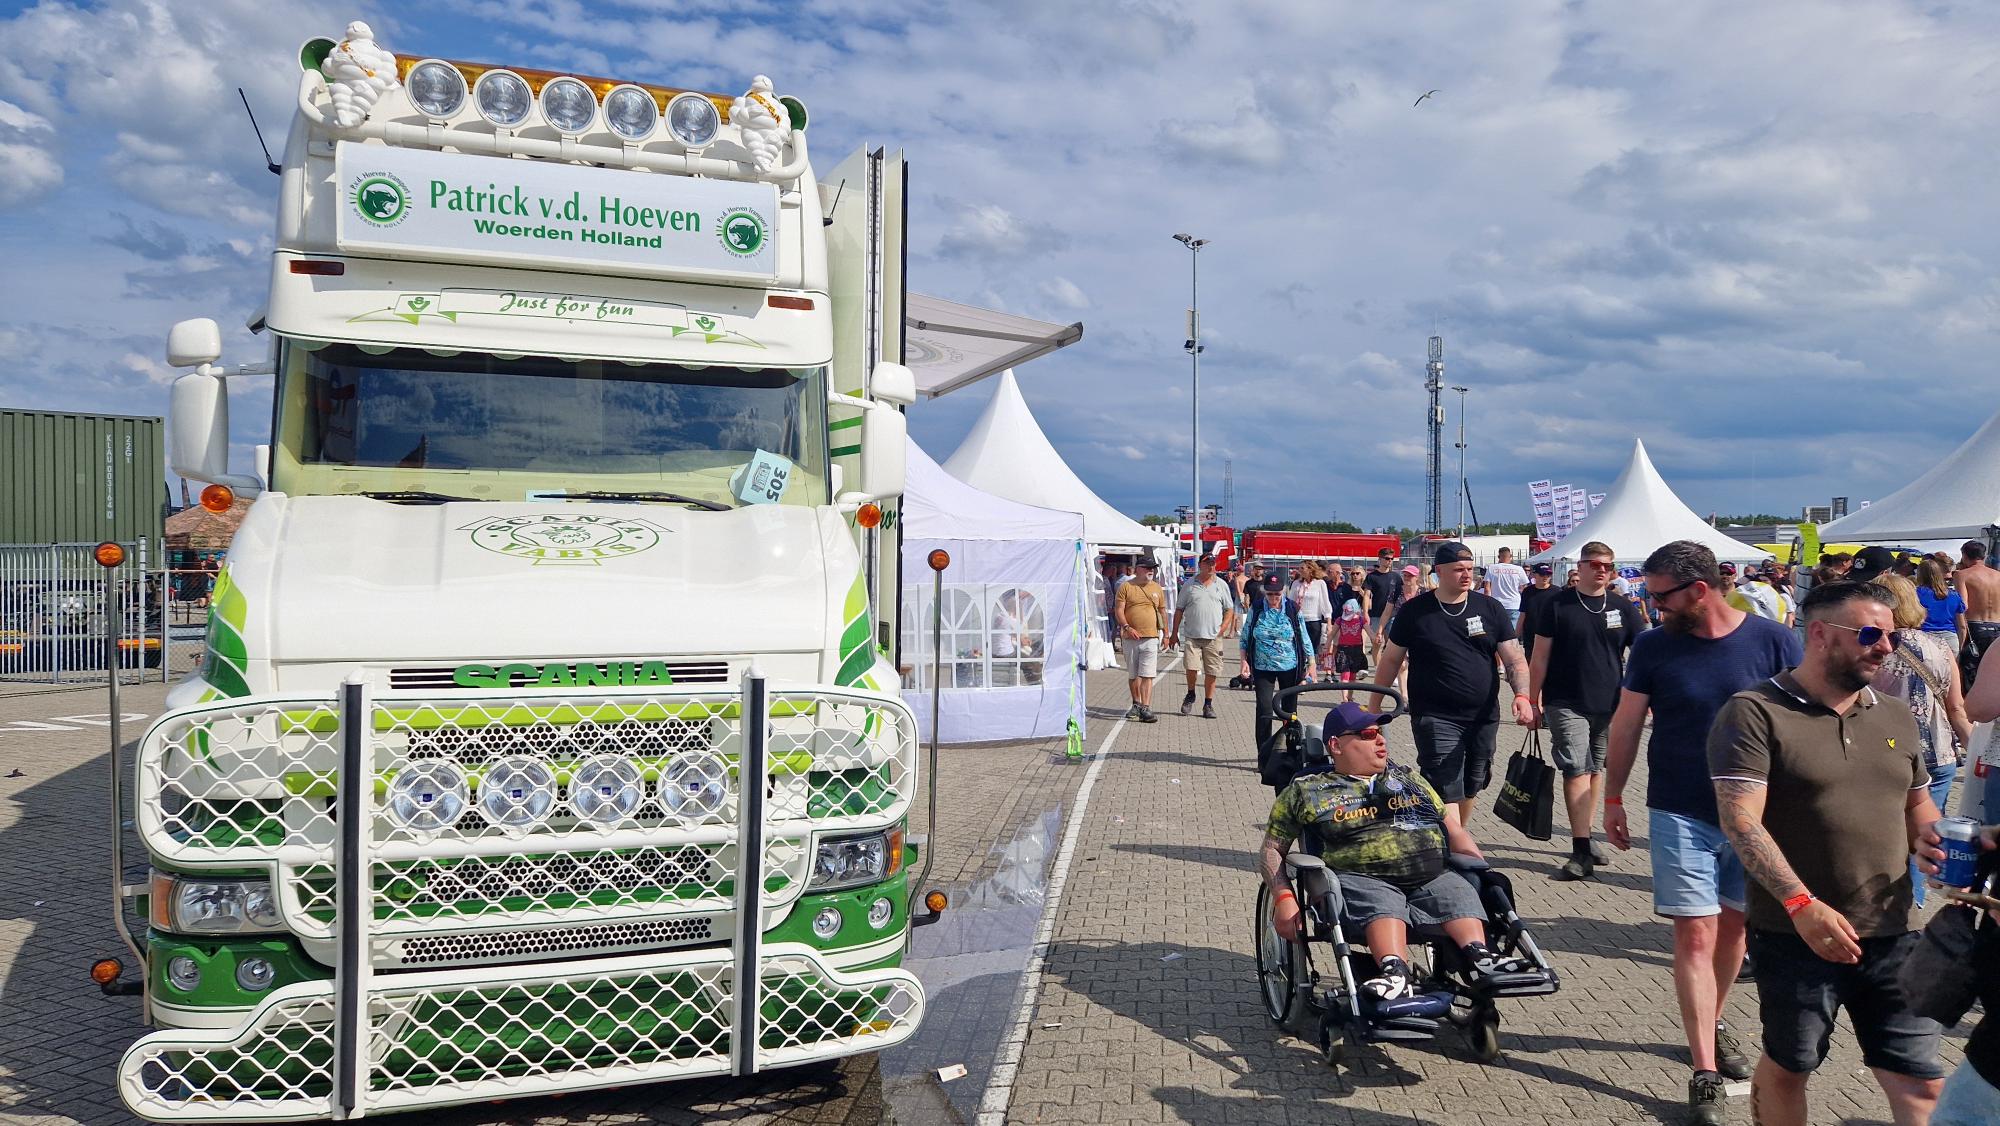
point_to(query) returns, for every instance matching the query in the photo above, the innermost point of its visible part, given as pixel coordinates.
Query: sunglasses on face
(1866, 636)
(1598, 564)
(1366, 733)
(1657, 595)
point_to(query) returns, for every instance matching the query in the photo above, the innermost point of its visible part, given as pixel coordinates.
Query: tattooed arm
(1271, 861)
(1741, 804)
(1514, 665)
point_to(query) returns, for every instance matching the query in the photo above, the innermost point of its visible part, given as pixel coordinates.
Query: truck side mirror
(194, 343)
(884, 456)
(893, 383)
(198, 431)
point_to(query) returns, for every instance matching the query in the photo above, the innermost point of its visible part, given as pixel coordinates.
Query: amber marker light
(936, 902)
(781, 301)
(104, 971)
(869, 515)
(108, 554)
(218, 498)
(939, 559)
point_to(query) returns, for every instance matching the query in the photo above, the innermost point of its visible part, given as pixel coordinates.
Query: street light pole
(1193, 347)
(1461, 461)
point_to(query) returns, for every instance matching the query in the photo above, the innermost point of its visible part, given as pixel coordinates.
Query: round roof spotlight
(437, 88)
(517, 793)
(503, 98)
(606, 790)
(631, 113)
(568, 105)
(693, 120)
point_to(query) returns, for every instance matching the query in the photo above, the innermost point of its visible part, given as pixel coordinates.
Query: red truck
(1299, 546)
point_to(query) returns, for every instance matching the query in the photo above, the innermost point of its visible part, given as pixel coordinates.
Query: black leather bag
(1528, 796)
(1937, 978)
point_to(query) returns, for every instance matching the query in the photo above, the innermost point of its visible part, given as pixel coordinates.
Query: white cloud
(28, 169)
(1064, 294)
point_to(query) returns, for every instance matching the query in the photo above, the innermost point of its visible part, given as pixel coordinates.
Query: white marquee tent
(1007, 454)
(1639, 514)
(1012, 600)
(1959, 499)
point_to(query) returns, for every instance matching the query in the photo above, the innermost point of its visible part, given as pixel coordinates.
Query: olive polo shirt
(1838, 784)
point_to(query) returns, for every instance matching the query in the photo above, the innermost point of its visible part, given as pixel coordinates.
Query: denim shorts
(1799, 993)
(1364, 899)
(1579, 740)
(1695, 869)
(1968, 1100)
(1455, 756)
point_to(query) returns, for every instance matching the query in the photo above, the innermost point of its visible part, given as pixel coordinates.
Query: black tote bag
(1528, 796)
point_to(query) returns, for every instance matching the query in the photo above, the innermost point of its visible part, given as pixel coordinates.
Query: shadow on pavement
(1215, 1011)
(1232, 859)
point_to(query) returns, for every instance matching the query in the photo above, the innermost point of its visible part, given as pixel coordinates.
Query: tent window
(994, 636)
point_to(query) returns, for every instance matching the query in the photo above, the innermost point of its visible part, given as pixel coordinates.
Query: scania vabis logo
(380, 198)
(742, 232)
(565, 539)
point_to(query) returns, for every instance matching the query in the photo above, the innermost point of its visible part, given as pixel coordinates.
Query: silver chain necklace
(1602, 603)
(1444, 607)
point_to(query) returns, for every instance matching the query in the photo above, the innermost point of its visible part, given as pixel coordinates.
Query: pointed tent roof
(1639, 514)
(938, 506)
(1958, 499)
(1007, 454)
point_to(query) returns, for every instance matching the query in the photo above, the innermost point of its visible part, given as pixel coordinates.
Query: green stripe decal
(843, 451)
(843, 424)
(228, 654)
(855, 653)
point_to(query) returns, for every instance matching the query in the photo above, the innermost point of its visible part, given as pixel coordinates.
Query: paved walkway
(1149, 1010)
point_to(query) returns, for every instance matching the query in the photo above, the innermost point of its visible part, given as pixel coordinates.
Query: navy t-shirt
(1687, 679)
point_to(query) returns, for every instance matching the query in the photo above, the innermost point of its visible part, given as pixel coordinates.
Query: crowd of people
(1807, 726)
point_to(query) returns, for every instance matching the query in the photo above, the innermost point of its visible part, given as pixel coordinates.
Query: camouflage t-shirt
(1389, 826)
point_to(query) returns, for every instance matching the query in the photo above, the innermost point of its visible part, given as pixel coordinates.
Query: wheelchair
(1311, 984)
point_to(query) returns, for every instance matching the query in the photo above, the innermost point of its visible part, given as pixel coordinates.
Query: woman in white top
(1315, 608)
(1923, 673)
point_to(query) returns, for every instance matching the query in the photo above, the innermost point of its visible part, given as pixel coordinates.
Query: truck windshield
(489, 427)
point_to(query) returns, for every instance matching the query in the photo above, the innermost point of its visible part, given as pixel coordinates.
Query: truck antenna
(835, 205)
(268, 162)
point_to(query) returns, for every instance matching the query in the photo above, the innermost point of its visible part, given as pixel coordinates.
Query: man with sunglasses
(1822, 789)
(1383, 831)
(1705, 652)
(1573, 677)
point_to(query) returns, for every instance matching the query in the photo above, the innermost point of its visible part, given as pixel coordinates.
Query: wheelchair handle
(1282, 702)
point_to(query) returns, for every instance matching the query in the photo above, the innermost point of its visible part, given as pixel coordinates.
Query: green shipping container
(82, 478)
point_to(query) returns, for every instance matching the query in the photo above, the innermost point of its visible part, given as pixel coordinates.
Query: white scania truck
(547, 739)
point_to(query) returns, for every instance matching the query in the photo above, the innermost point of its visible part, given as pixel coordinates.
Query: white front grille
(555, 942)
(434, 678)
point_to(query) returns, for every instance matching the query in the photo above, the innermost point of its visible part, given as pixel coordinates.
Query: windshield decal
(566, 539)
(455, 305)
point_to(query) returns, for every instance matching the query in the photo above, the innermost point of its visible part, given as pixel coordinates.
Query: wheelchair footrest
(1535, 983)
(1428, 1006)
(1402, 1029)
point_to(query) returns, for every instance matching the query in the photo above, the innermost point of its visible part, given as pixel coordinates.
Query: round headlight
(255, 974)
(183, 974)
(631, 112)
(605, 790)
(436, 87)
(693, 120)
(880, 912)
(428, 797)
(694, 788)
(569, 105)
(517, 792)
(261, 907)
(503, 98)
(826, 924)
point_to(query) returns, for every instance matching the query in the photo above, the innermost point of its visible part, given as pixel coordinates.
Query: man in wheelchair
(1385, 835)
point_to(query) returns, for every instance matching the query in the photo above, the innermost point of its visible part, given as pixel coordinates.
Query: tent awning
(1957, 499)
(950, 345)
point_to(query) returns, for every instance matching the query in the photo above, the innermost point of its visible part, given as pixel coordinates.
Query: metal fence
(54, 602)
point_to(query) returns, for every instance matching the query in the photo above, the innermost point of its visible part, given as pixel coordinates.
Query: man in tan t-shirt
(1979, 584)
(1141, 610)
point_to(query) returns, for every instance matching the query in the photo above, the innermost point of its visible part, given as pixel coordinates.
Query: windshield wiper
(658, 497)
(415, 496)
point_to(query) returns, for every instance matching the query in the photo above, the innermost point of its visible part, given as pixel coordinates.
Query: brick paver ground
(1149, 1010)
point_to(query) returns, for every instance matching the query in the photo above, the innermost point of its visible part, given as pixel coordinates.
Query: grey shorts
(1365, 899)
(1142, 658)
(1578, 740)
(1799, 994)
(1455, 756)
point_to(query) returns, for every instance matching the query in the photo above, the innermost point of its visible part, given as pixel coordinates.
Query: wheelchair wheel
(1280, 964)
(1484, 1035)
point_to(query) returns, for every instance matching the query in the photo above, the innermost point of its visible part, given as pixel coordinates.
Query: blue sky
(1762, 237)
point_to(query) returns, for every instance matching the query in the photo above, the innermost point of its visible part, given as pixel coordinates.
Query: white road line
(1000, 1088)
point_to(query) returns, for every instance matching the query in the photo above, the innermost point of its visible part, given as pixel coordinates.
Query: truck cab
(546, 738)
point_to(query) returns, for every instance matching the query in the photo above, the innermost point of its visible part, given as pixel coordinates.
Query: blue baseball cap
(1347, 718)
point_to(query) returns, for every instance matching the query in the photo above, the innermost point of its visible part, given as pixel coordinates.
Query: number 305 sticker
(763, 479)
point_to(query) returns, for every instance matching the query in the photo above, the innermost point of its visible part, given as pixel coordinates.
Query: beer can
(1960, 837)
